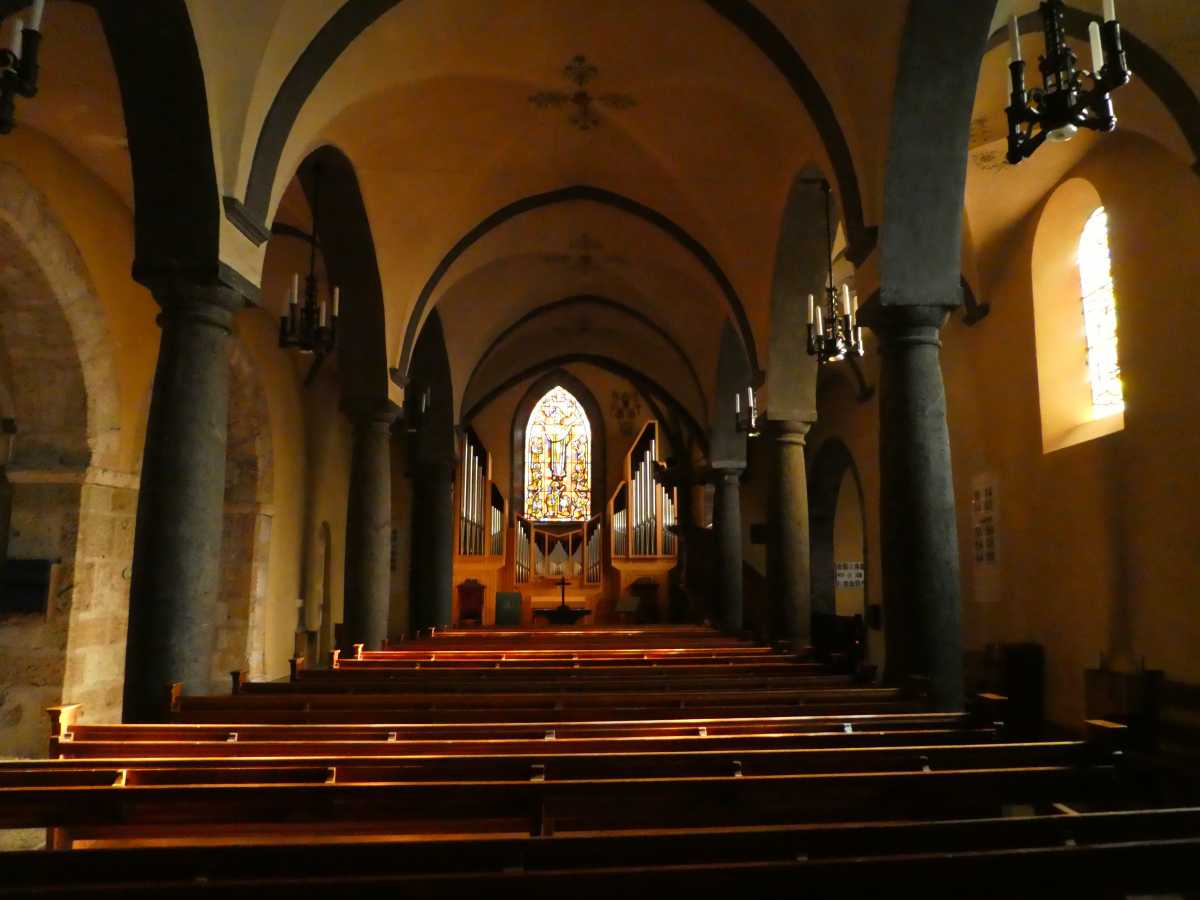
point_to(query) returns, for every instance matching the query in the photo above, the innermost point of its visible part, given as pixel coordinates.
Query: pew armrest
(62, 718)
(174, 697)
(1107, 737)
(990, 709)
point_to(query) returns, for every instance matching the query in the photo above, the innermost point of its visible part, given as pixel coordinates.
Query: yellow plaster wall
(1096, 541)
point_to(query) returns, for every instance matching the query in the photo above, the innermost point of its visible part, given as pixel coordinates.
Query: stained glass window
(558, 460)
(1100, 316)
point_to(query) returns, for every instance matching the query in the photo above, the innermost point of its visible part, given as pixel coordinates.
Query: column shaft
(788, 547)
(439, 544)
(921, 591)
(177, 547)
(727, 522)
(368, 575)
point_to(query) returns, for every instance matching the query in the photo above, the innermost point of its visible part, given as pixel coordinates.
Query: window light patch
(1100, 316)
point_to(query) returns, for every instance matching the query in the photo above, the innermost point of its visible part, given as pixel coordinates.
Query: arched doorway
(837, 530)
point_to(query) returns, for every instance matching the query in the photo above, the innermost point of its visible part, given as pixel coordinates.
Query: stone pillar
(368, 574)
(788, 562)
(440, 543)
(177, 547)
(921, 592)
(727, 523)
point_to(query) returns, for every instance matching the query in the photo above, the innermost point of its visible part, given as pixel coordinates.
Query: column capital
(788, 431)
(372, 414)
(725, 474)
(905, 325)
(205, 304)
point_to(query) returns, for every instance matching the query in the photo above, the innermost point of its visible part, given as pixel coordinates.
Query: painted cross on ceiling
(581, 105)
(583, 254)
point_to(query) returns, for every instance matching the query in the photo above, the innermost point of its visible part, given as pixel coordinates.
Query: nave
(665, 758)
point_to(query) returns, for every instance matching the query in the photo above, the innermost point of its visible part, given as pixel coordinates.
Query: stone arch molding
(26, 212)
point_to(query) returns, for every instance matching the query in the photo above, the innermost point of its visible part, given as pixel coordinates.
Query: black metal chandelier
(19, 65)
(833, 329)
(745, 419)
(310, 326)
(1058, 109)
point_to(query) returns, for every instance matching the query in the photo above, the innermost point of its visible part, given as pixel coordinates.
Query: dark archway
(649, 388)
(348, 249)
(830, 470)
(592, 300)
(589, 193)
(559, 377)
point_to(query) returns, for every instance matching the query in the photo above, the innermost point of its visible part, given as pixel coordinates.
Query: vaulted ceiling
(636, 237)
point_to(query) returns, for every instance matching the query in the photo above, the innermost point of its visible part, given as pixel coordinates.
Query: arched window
(558, 460)
(1099, 316)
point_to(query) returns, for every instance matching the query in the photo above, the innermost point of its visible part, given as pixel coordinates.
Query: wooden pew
(1142, 852)
(256, 800)
(549, 762)
(70, 739)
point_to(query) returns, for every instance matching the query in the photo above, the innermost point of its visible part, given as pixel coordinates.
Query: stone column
(177, 547)
(788, 560)
(727, 523)
(368, 574)
(440, 540)
(921, 592)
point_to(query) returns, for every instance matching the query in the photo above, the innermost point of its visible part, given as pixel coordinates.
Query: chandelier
(1058, 109)
(309, 326)
(19, 65)
(833, 329)
(746, 419)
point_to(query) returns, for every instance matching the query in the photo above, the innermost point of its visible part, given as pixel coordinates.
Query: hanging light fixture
(19, 64)
(746, 419)
(833, 329)
(310, 326)
(1056, 111)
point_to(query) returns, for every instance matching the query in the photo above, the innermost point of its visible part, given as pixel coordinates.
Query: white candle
(812, 301)
(820, 323)
(845, 299)
(737, 404)
(35, 15)
(1014, 38)
(1110, 10)
(1097, 50)
(323, 315)
(294, 298)
(14, 44)
(854, 306)
(337, 300)
(750, 398)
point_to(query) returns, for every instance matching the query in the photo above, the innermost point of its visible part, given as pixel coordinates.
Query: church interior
(594, 445)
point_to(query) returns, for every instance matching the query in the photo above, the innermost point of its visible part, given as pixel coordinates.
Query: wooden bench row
(548, 763)
(536, 683)
(65, 727)
(1090, 854)
(257, 800)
